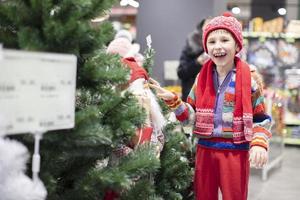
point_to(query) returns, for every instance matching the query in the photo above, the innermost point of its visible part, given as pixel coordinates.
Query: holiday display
(154, 122)
(275, 100)
(272, 57)
(292, 111)
(288, 53)
(81, 163)
(262, 54)
(104, 117)
(278, 67)
(152, 130)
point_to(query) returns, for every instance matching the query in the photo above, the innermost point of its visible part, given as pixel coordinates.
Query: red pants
(224, 169)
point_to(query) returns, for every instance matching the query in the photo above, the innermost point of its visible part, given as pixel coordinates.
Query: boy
(227, 110)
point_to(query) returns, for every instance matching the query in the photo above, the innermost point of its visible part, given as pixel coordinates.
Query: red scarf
(206, 97)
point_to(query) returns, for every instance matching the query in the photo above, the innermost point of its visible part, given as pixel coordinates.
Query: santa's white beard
(14, 184)
(157, 119)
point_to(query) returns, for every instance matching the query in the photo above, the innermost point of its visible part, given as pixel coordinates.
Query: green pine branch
(122, 178)
(105, 116)
(149, 60)
(175, 177)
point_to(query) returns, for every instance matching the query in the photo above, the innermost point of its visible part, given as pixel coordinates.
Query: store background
(274, 51)
(169, 22)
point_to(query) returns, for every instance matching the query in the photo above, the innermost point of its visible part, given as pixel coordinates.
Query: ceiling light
(236, 10)
(281, 11)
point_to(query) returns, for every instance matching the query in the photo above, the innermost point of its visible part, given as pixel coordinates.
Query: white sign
(170, 69)
(37, 91)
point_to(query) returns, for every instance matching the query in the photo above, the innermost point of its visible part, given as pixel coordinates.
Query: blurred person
(191, 59)
(226, 108)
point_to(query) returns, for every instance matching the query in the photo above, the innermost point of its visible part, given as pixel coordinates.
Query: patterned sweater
(223, 112)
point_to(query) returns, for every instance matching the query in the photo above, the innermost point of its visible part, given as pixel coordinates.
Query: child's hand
(161, 92)
(258, 156)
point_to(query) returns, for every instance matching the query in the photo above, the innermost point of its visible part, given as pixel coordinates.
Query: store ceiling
(239, 1)
(244, 5)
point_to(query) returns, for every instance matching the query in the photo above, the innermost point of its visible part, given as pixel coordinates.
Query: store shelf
(271, 35)
(292, 141)
(292, 136)
(121, 11)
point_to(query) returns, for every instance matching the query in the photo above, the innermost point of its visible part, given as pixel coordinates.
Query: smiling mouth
(221, 54)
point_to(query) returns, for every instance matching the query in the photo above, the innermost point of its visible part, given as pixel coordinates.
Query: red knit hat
(136, 70)
(227, 22)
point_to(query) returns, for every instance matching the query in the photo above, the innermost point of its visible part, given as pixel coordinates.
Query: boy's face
(221, 48)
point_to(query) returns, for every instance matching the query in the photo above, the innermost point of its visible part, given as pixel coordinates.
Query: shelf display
(275, 107)
(292, 118)
(286, 36)
(272, 56)
(276, 56)
(293, 26)
(288, 54)
(272, 26)
(261, 54)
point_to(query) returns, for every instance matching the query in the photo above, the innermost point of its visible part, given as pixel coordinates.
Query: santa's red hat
(136, 70)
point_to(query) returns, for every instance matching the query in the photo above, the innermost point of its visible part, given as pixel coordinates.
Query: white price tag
(149, 41)
(170, 69)
(37, 91)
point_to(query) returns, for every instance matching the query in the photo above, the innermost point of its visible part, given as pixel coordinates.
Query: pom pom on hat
(227, 14)
(227, 22)
(123, 47)
(124, 34)
(119, 46)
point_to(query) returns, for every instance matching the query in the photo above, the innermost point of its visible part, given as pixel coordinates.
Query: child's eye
(211, 42)
(225, 40)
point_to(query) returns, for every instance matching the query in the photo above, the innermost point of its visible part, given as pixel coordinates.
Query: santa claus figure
(151, 132)
(155, 121)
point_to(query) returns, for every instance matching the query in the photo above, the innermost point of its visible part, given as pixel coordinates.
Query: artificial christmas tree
(75, 162)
